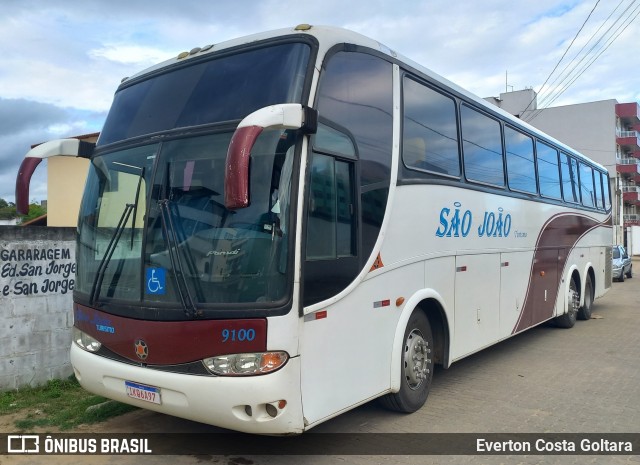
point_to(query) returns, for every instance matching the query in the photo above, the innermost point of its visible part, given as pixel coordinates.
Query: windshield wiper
(176, 263)
(106, 258)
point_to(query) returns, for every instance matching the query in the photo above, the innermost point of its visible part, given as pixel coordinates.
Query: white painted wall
(37, 275)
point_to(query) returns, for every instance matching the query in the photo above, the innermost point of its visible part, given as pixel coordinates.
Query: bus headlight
(84, 341)
(246, 364)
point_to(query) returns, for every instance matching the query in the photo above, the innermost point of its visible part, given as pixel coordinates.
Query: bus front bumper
(266, 404)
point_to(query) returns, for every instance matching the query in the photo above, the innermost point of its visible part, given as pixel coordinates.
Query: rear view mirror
(54, 148)
(285, 116)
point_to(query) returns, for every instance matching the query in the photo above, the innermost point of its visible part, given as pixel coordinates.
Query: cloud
(95, 44)
(25, 123)
(129, 54)
(65, 59)
(19, 115)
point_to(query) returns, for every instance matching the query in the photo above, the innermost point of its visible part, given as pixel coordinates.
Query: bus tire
(585, 311)
(569, 319)
(416, 366)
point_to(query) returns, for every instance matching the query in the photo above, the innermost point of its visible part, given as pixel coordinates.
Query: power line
(625, 24)
(583, 47)
(564, 54)
(599, 54)
(575, 72)
(571, 77)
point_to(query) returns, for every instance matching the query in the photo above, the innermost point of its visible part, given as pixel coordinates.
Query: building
(607, 132)
(66, 177)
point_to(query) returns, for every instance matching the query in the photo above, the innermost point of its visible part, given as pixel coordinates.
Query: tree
(35, 211)
(7, 210)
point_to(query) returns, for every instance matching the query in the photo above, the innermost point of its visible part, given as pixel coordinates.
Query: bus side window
(599, 198)
(548, 174)
(481, 147)
(569, 170)
(587, 189)
(521, 170)
(430, 130)
(607, 191)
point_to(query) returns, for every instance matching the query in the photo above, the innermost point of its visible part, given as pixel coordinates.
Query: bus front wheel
(416, 368)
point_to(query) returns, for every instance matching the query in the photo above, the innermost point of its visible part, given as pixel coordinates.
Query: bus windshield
(155, 238)
(154, 230)
(224, 88)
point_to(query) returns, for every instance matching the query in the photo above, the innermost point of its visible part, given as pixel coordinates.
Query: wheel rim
(574, 298)
(416, 359)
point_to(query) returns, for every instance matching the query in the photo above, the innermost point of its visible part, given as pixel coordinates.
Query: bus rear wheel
(416, 368)
(569, 319)
(585, 311)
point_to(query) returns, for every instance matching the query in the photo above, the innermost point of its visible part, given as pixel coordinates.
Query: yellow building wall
(66, 180)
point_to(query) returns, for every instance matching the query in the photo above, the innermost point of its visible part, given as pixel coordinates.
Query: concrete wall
(37, 276)
(516, 102)
(633, 241)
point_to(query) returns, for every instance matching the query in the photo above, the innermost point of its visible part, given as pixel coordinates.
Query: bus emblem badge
(141, 348)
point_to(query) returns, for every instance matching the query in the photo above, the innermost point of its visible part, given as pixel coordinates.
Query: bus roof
(328, 37)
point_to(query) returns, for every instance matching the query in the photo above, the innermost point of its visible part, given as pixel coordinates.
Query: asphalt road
(547, 380)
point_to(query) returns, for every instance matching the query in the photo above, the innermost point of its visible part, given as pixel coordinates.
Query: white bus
(282, 227)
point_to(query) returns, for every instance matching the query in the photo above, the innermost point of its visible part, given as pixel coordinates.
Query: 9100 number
(240, 335)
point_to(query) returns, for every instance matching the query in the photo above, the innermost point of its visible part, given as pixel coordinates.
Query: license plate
(143, 392)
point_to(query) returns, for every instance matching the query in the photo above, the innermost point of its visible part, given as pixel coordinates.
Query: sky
(62, 60)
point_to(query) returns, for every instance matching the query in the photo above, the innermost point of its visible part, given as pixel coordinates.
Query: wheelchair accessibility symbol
(155, 280)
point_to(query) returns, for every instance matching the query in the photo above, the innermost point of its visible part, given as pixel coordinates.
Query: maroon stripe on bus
(172, 342)
(555, 242)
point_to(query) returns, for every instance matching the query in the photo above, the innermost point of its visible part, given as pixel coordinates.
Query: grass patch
(59, 403)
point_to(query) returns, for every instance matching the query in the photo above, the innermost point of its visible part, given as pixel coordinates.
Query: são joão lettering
(20, 255)
(457, 222)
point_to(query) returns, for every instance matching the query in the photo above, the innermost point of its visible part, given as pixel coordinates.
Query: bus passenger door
(477, 311)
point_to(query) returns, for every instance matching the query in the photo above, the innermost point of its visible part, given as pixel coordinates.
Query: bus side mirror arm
(54, 148)
(236, 176)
